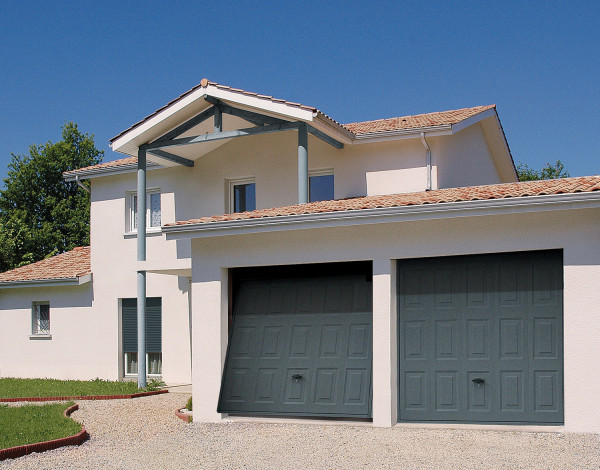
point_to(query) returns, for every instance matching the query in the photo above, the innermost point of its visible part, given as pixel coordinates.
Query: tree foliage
(549, 171)
(40, 213)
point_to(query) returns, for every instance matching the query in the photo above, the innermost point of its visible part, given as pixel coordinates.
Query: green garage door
(481, 338)
(300, 345)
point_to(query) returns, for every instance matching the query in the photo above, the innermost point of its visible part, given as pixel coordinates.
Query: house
(391, 270)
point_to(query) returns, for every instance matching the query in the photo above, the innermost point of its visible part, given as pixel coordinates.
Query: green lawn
(17, 388)
(34, 423)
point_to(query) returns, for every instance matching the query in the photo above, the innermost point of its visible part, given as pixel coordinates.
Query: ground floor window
(40, 318)
(153, 363)
(153, 336)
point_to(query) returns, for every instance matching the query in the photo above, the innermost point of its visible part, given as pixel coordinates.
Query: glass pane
(155, 210)
(244, 197)
(321, 188)
(131, 366)
(155, 363)
(44, 318)
(134, 209)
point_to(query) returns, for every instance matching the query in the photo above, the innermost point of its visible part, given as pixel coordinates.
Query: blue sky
(105, 65)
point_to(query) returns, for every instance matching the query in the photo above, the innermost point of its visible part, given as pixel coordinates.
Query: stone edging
(86, 397)
(74, 440)
(184, 416)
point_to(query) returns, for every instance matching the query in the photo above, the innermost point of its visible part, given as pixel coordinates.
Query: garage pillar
(385, 355)
(209, 339)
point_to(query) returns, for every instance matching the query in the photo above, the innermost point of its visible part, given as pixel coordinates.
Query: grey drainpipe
(428, 188)
(81, 185)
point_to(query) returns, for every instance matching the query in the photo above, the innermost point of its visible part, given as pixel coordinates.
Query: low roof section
(370, 209)
(69, 268)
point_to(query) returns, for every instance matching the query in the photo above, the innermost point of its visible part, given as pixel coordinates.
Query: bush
(189, 404)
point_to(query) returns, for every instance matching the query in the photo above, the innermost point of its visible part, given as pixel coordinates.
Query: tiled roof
(69, 265)
(100, 166)
(203, 84)
(439, 196)
(416, 121)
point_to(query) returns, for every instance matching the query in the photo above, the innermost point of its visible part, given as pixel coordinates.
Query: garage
(481, 338)
(300, 342)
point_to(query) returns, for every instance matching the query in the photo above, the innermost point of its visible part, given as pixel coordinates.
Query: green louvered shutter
(153, 324)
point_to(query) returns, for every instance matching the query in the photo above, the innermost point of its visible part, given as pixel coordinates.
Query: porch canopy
(196, 123)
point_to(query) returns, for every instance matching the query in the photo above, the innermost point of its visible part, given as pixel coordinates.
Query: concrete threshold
(484, 427)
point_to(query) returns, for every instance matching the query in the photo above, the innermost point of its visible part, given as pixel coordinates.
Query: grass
(18, 388)
(34, 423)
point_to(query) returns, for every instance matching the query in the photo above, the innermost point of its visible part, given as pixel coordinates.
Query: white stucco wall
(77, 349)
(573, 231)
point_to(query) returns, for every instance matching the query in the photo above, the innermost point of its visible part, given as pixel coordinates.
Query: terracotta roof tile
(416, 121)
(114, 163)
(469, 193)
(72, 264)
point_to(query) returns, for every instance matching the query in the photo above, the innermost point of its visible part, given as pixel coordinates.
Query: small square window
(153, 210)
(41, 318)
(242, 196)
(320, 187)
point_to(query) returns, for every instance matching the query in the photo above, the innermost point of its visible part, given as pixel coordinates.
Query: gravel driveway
(144, 433)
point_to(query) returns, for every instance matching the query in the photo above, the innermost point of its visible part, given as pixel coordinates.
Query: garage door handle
(479, 381)
(297, 376)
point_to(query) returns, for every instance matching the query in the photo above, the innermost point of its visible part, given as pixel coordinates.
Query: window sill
(41, 336)
(150, 232)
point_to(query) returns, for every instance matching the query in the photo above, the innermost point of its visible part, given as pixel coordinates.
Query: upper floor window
(320, 186)
(152, 210)
(40, 318)
(242, 195)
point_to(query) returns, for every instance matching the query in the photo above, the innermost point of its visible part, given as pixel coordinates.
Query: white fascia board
(476, 208)
(329, 127)
(401, 134)
(118, 144)
(113, 170)
(60, 282)
(256, 103)
(459, 126)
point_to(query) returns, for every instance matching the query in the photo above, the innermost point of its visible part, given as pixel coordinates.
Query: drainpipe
(81, 185)
(141, 275)
(428, 188)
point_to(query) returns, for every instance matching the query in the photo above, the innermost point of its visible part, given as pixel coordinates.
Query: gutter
(113, 170)
(81, 185)
(57, 282)
(397, 214)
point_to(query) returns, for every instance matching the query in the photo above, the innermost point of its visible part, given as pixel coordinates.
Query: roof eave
(113, 170)
(57, 282)
(482, 207)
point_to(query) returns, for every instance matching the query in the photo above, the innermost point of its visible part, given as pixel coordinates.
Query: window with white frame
(320, 185)
(242, 195)
(153, 363)
(153, 210)
(40, 318)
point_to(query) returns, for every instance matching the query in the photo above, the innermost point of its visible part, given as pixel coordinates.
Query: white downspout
(428, 187)
(81, 185)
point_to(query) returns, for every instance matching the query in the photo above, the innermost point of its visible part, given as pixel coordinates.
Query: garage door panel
(498, 319)
(308, 353)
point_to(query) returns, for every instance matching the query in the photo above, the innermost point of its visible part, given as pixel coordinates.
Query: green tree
(40, 213)
(549, 171)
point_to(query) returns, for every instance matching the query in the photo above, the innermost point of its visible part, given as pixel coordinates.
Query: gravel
(144, 433)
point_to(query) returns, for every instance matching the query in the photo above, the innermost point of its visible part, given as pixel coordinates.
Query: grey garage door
(300, 345)
(481, 338)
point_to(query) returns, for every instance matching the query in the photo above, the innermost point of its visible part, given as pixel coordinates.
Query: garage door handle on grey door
(479, 381)
(297, 376)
